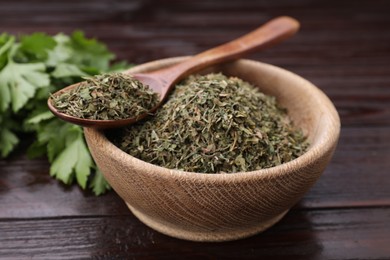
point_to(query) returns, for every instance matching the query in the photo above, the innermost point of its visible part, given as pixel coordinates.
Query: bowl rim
(314, 151)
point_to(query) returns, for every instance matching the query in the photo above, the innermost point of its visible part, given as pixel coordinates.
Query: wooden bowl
(221, 207)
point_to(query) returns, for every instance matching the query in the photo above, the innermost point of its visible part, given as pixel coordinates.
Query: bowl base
(212, 236)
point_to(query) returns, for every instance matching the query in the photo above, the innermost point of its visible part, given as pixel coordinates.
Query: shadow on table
(127, 237)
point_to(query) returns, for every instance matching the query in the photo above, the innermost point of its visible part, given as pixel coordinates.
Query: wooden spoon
(163, 80)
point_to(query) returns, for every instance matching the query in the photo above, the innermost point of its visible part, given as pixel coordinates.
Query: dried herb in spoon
(214, 124)
(107, 97)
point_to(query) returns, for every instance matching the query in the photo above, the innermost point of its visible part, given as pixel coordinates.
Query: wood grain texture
(342, 47)
(315, 234)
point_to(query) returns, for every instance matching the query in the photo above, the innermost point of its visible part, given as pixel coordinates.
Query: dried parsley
(214, 124)
(107, 97)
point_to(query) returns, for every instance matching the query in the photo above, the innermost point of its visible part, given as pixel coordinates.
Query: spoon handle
(270, 33)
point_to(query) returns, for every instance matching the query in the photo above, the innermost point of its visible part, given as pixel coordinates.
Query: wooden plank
(27, 190)
(358, 175)
(322, 234)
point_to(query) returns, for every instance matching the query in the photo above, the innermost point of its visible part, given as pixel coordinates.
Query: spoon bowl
(162, 81)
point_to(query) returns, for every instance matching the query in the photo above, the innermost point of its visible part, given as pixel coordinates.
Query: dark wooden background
(343, 47)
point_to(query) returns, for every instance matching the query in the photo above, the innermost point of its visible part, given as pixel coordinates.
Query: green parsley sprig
(31, 67)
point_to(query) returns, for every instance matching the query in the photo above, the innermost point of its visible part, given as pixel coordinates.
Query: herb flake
(215, 124)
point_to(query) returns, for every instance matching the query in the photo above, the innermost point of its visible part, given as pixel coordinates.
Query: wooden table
(343, 47)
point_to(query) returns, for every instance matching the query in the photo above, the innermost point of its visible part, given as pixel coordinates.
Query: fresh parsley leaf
(6, 42)
(61, 52)
(74, 160)
(19, 82)
(98, 184)
(35, 47)
(8, 141)
(89, 53)
(77, 56)
(58, 140)
(51, 134)
(68, 70)
(45, 115)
